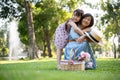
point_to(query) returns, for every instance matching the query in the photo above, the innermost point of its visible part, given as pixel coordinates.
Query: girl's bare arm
(76, 28)
(79, 31)
(86, 29)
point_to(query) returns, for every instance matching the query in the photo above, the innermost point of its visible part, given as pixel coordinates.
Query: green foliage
(10, 9)
(2, 39)
(47, 15)
(111, 18)
(4, 51)
(22, 28)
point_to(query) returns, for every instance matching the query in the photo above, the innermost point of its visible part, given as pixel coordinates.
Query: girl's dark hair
(77, 12)
(88, 15)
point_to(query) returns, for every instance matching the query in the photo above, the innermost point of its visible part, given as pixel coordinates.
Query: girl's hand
(81, 39)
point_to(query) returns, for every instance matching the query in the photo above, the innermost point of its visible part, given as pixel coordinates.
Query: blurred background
(27, 26)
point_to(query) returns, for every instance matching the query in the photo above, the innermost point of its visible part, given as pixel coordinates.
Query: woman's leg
(87, 48)
(93, 60)
(59, 52)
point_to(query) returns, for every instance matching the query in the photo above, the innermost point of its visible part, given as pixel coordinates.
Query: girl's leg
(59, 52)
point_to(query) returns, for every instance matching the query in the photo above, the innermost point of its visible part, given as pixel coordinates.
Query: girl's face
(76, 18)
(86, 21)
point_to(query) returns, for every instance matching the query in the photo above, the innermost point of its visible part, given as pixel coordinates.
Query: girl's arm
(86, 29)
(76, 29)
(81, 32)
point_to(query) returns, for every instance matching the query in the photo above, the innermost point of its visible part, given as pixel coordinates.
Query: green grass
(108, 69)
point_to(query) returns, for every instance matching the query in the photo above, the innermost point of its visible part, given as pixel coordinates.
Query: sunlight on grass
(106, 59)
(45, 69)
(26, 61)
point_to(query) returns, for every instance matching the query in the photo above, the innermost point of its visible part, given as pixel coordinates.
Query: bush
(4, 52)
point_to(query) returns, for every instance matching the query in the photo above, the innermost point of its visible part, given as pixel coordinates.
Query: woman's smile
(86, 21)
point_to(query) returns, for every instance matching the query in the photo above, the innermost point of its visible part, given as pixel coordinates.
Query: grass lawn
(45, 69)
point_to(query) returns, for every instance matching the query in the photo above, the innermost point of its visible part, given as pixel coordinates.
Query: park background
(26, 32)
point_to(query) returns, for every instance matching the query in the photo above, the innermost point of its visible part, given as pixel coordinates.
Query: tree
(3, 47)
(47, 14)
(112, 20)
(31, 35)
(13, 9)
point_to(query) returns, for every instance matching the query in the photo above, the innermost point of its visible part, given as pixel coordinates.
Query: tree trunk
(36, 51)
(118, 35)
(119, 46)
(48, 46)
(47, 39)
(114, 48)
(44, 51)
(31, 35)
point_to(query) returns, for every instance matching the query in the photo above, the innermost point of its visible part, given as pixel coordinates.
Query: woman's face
(86, 21)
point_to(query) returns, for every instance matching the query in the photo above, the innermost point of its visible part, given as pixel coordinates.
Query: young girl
(61, 34)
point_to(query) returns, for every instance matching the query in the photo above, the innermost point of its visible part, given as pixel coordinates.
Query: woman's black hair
(87, 15)
(77, 12)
